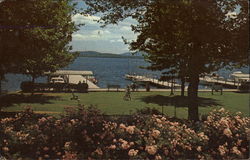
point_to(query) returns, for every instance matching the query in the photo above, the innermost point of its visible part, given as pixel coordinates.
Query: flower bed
(85, 133)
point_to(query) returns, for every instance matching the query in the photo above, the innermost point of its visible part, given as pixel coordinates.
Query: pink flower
(73, 121)
(158, 157)
(5, 120)
(8, 130)
(198, 148)
(125, 145)
(243, 149)
(132, 152)
(122, 126)
(41, 120)
(203, 136)
(222, 150)
(227, 132)
(130, 129)
(239, 142)
(45, 148)
(236, 151)
(151, 149)
(163, 118)
(158, 120)
(112, 146)
(221, 110)
(238, 118)
(209, 118)
(224, 122)
(46, 156)
(5, 149)
(155, 133)
(99, 151)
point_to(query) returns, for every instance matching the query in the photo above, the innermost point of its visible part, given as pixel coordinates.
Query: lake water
(106, 70)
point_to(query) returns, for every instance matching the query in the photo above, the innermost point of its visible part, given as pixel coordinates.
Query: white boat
(240, 77)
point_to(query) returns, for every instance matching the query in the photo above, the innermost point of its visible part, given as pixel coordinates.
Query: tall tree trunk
(0, 85)
(1, 79)
(33, 81)
(182, 86)
(172, 86)
(193, 113)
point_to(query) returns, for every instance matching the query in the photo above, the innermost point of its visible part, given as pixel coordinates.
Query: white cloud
(86, 19)
(100, 32)
(126, 28)
(91, 36)
(116, 41)
(119, 40)
(108, 39)
(78, 37)
(82, 37)
(231, 15)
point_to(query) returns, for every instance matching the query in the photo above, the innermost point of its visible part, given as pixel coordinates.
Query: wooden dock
(208, 80)
(153, 81)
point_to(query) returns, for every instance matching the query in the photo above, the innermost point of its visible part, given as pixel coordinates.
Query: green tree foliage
(35, 35)
(189, 37)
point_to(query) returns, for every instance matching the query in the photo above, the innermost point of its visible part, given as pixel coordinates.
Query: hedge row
(28, 86)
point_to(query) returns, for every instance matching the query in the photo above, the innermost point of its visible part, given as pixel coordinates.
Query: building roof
(70, 72)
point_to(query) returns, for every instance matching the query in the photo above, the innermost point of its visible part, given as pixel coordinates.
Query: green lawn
(113, 103)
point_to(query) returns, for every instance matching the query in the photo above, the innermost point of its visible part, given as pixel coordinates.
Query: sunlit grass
(112, 103)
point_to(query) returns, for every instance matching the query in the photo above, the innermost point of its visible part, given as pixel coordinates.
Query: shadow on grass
(242, 92)
(10, 99)
(178, 101)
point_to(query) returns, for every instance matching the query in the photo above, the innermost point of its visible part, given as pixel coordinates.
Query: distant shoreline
(96, 54)
(105, 56)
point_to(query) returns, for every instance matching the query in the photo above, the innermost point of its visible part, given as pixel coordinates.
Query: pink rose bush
(85, 133)
(228, 134)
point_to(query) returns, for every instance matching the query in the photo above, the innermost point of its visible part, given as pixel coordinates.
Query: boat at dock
(235, 81)
(73, 77)
(241, 77)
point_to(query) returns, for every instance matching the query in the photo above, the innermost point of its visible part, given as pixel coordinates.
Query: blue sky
(91, 37)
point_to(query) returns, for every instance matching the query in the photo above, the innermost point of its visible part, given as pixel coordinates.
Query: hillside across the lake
(137, 55)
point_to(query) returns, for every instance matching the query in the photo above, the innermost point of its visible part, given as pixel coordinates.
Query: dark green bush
(27, 86)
